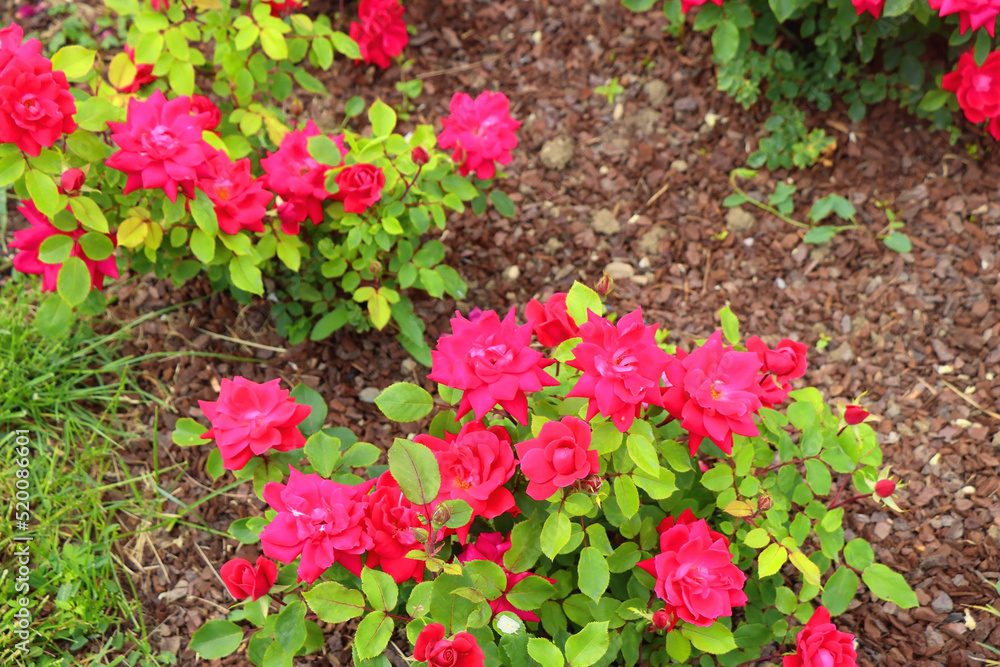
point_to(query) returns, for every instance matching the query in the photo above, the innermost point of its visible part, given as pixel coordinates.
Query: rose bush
(813, 52)
(686, 506)
(191, 153)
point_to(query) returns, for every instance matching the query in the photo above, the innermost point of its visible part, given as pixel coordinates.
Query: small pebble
(942, 604)
(369, 394)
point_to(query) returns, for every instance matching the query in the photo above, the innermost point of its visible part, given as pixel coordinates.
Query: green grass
(74, 397)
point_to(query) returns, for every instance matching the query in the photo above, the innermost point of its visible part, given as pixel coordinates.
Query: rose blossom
(559, 456)
(160, 145)
(855, 414)
(390, 519)
(490, 361)
(492, 547)
(687, 518)
(873, 7)
(359, 186)
(977, 88)
(973, 14)
(820, 644)
(29, 241)
(686, 5)
(481, 131)
(143, 73)
(381, 35)
(292, 174)
(160, 4)
(551, 322)
(715, 391)
(72, 180)
(661, 619)
(240, 201)
(695, 575)
(207, 113)
(475, 464)
(787, 361)
(244, 580)
(282, 7)
(459, 651)
(320, 520)
(250, 419)
(36, 107)
(621, 365)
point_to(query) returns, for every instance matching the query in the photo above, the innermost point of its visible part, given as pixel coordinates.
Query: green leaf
(643, 453)
(984, 44)
(659, 487)
(809, 569)
(11, 168)
(324, 150)
(383, 119)
(379, 310)
(89, 214)
(529, 593)
(896, 8)
(187, 433)
(203, 212)
(54, 318)
(177, 45)
(44, 193)
(718, 478)
(725, 41)
(730, 325)
(323, 452)
(756, 538)
(818, 477)
(581, 298)
(593, 573)
(56, 249)
(96, 246)
(626, 495)
(715, 639)
(73, 283)
(246, 275)
(555, 534)
(782, 9)
(75, 61)
(214, 465)
(638, 5)
(545, 652)
(416, 470)
(203, 246)
(840, 589)
(525, 549)
(404, 402)
(306, 395)
(326, 325)
(181, 77)
(771, 559)
(899, 242)
(822, 234)
(345, 45)
(216, 639)
(502, 203)
(858, 554)
(678, 647)
(373, 634)
(589, 645)
(889, 585)
(380, 589)
(273, 43)
(334, 603)
(290, 627)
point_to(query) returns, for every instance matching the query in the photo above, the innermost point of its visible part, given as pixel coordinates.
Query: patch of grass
(73, 398)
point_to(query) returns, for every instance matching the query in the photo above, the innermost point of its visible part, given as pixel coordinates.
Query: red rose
(72, 180)
(687, 518)
(420, 156)
(381, 35)
(820, 644)
(390, 519)
(661, 619)
(551, 322)
(873, 7)
(143, 73)
(294, 176)
(459, 651)
(210, 114)
(688, 4)
(475, 464)
(481, 132)
(973, 14)
(12, 45)
(240, 201)
(977, 88)
(559, 456)
(282, 7)
(787, 361)
(36, 107)
(243, 580)
(885, 488)
(855, 414)
(360, 186)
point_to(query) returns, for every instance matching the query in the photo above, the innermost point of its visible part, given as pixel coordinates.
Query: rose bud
(592, 484)
(420, 156)
(885, 488)
(296, 107)
(442, 515)
(661, 619)
(764, 502)
(244, 580)
(605, 285)
(855, 414)
(703, 467)
(72, 180)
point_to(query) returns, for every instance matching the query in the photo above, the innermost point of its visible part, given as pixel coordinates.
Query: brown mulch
(920, 332)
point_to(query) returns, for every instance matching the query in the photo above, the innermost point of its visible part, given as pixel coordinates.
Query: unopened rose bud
(72, 180)
(296, 107)
(661, 619)
(420, 156)
(885, 488)
(855, 414)
(604, 285)
(764, 502)
(592, 484)
(703, 467)
(375, 267)
(441, 515)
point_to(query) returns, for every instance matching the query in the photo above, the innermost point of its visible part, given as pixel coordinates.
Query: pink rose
(973, 14)
(785, 362)
(294, 176)
(695, 575)
(29, 241)
(715, 390)
(481, 131)
(492, 363)
(250, 419)
(143, 73)
(855, 414)
(322, 522)
(621, 365)
(687, 518)
(459, 651)
(203, 108)
(977, 88)
(240, 201)
(475, 464)
(820, 644)
(160, 146)
(558, 457)
(492, 547)
(390, 520)
(873, 7)
(36, 107)
(381, 35)
(686, 5)
(160, 5)
(72, 180)
(244, 580)
(359, 186)
(551, 322)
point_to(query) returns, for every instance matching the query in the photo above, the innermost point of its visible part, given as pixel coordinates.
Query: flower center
(490, 358)
(223, 188)
(982, 82)
(159, 140)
